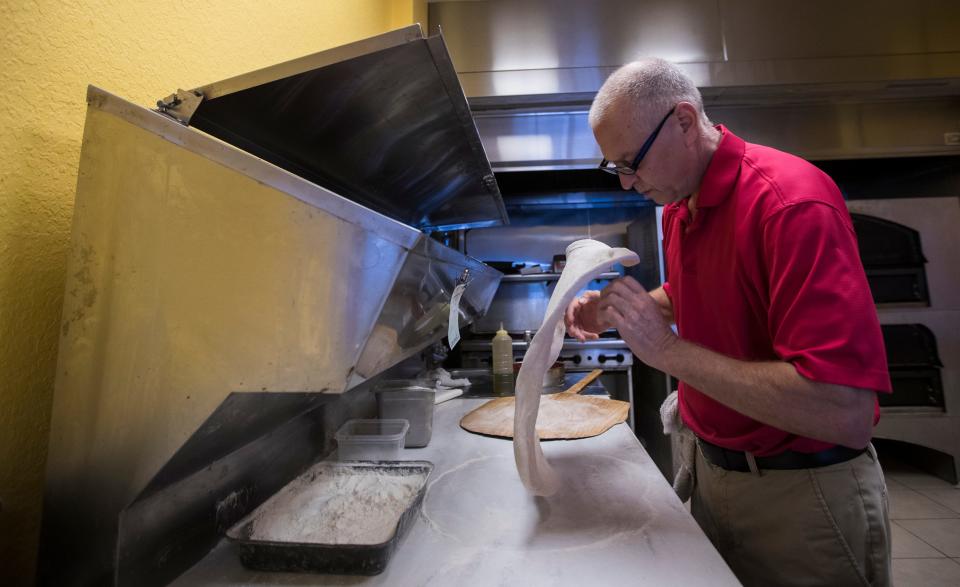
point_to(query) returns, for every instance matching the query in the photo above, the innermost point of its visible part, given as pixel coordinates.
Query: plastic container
(423, 384)
(413, 404)
(502, 362)
(371, 440)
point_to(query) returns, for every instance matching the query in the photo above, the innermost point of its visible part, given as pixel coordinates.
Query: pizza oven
(893, 259)
(908, 248)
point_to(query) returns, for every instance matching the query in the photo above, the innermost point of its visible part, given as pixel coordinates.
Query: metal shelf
(568, 344)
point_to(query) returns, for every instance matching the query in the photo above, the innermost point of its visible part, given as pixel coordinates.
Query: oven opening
(893, 260)
(914, 366)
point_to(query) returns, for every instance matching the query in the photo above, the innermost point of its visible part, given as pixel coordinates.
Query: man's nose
(627, 181)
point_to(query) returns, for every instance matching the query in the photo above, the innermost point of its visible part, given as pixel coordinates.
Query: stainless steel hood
(382, 122)
(215, 296)
(822, 79)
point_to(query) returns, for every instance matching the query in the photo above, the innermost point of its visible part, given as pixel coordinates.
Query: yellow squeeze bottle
(502, 362)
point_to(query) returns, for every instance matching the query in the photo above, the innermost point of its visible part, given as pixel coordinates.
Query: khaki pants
(825, 526)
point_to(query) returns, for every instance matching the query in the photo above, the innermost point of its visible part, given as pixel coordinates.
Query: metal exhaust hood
(382, 122)
(236, 262)
(821, 79)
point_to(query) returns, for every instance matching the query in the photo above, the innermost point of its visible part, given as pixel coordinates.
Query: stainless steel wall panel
(880, 75)
(508, 50)
(835, 88)
(886, 127)
(810, 125)
(549, 83)
(839, 129)
(500, 35)
(813, 29)
(941, 20)
(541, 140)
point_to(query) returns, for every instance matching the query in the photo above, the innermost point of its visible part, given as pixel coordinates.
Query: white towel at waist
(685, 478)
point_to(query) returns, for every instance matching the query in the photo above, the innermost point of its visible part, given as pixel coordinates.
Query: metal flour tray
(306, 556)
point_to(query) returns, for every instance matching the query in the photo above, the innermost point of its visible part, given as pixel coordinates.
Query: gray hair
(650, 88)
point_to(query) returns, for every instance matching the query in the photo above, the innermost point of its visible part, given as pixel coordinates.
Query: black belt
(736, 460)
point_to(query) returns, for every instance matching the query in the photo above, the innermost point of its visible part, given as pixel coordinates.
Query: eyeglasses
(614, 169)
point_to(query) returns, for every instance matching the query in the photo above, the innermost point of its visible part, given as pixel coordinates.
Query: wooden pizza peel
(562, 416)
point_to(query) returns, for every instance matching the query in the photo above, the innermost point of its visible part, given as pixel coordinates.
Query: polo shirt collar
(722, 171)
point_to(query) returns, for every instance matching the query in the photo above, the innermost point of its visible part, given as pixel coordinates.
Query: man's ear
(688, 117)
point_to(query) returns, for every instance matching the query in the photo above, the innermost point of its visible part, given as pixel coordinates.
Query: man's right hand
(582, 318)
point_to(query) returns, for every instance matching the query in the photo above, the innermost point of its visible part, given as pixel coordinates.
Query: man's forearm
(660, 296)
(774, 393)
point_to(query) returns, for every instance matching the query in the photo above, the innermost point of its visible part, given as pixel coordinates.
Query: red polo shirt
(768, 270)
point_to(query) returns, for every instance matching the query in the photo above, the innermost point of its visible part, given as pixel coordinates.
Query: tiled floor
(925, 521)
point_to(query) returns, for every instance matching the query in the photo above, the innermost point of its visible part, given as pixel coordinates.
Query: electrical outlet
(952, 139)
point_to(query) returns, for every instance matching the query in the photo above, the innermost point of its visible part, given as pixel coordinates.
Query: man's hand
(582, 319)
(638, 318)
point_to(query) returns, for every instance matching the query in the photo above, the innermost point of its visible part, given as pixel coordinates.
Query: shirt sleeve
(822, 318)
(668, 213)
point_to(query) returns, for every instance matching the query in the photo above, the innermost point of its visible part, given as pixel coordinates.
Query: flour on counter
(331, 505)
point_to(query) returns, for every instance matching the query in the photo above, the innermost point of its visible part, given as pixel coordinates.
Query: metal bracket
(180, 106)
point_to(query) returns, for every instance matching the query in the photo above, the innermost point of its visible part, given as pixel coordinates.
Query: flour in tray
(330, 505)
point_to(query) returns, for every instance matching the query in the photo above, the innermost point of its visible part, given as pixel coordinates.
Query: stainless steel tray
(341, 559)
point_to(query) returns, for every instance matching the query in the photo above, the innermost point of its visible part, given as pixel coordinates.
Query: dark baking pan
(338, 559)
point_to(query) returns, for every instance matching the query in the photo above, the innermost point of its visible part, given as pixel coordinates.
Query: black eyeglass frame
(632, 168)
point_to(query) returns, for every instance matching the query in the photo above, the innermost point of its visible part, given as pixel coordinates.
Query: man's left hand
(638, 318)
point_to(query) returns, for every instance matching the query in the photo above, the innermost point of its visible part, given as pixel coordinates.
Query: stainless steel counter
(616, 521)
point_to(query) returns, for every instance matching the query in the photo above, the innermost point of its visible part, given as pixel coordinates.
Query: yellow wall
(49, 51)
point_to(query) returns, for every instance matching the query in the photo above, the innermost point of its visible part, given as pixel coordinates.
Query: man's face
(662, 175)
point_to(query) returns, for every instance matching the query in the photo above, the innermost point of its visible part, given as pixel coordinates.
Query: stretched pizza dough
(585, 260)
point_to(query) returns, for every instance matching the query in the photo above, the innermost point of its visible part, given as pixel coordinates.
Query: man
(778, 351)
